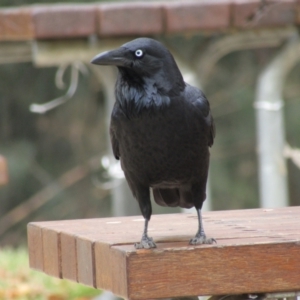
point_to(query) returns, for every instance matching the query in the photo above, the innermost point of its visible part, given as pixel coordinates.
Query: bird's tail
(173, 197)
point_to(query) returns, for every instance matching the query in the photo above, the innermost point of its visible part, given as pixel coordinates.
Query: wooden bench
(257, 251)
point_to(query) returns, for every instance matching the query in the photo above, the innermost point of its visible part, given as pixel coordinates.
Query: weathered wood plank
(257, 251)
(68, 256)
(86, 261)
(3, 170)
(51, 252)
(35, 249)
(111, 269)
(222, 269)
(65, 21)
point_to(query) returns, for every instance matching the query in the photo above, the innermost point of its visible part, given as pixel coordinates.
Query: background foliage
(40, 148)
(48, 154)
(18, 282)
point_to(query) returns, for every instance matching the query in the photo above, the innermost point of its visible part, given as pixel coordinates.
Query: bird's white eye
(138, 53)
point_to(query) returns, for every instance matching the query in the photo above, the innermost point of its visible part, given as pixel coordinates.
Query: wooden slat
(3, 170)
(35, 249)
(68, 256)
(51, 252)
(111, 269)
(170, 272)
(257, 251)
(58, 21)
(85, 261)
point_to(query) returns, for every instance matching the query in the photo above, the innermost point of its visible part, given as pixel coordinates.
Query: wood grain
(86, 261)
(111, 268)
(257, 251)
(35, 249)
(68, 256)
(214, 270)
(51, 252)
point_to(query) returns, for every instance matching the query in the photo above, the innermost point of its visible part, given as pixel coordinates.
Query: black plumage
(161, 130)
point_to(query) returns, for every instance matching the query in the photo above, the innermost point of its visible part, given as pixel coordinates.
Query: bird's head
(144, 58)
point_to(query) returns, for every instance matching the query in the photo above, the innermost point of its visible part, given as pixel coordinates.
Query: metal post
(278, 68)
(270, 126)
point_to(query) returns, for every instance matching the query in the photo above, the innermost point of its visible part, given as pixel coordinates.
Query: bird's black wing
(197, 110)
(112, 130)
(202, 109)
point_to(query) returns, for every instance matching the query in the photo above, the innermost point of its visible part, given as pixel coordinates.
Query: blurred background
(59, 164)
(56, 160)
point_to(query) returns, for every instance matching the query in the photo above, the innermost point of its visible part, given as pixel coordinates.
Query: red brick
(63, 21)
(189, 16)
(136, 18)
(16, 24)
(276, 14)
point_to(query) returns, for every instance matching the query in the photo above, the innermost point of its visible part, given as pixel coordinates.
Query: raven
(161, 130)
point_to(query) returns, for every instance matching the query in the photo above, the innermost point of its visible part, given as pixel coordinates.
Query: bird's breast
(163, 147)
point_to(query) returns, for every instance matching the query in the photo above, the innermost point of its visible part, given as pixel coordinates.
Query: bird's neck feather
(136, 94)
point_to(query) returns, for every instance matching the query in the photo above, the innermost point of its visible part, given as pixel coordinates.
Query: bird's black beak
(110, 58)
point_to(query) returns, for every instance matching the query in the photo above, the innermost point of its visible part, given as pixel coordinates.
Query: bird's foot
(146, 243)
(202, 239)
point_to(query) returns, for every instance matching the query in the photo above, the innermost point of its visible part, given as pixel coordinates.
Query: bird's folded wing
(201, 104)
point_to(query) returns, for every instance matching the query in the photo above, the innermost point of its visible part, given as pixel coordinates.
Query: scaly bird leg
(146, 241)
(200, 237)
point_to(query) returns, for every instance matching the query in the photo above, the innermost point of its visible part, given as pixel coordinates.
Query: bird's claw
(146, 243)
(202, 239)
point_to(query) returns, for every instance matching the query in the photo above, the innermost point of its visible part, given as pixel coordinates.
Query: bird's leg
(200, 237)
(146, 241)
(142, 193)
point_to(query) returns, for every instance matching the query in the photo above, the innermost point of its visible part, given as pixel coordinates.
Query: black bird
(161, 130)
